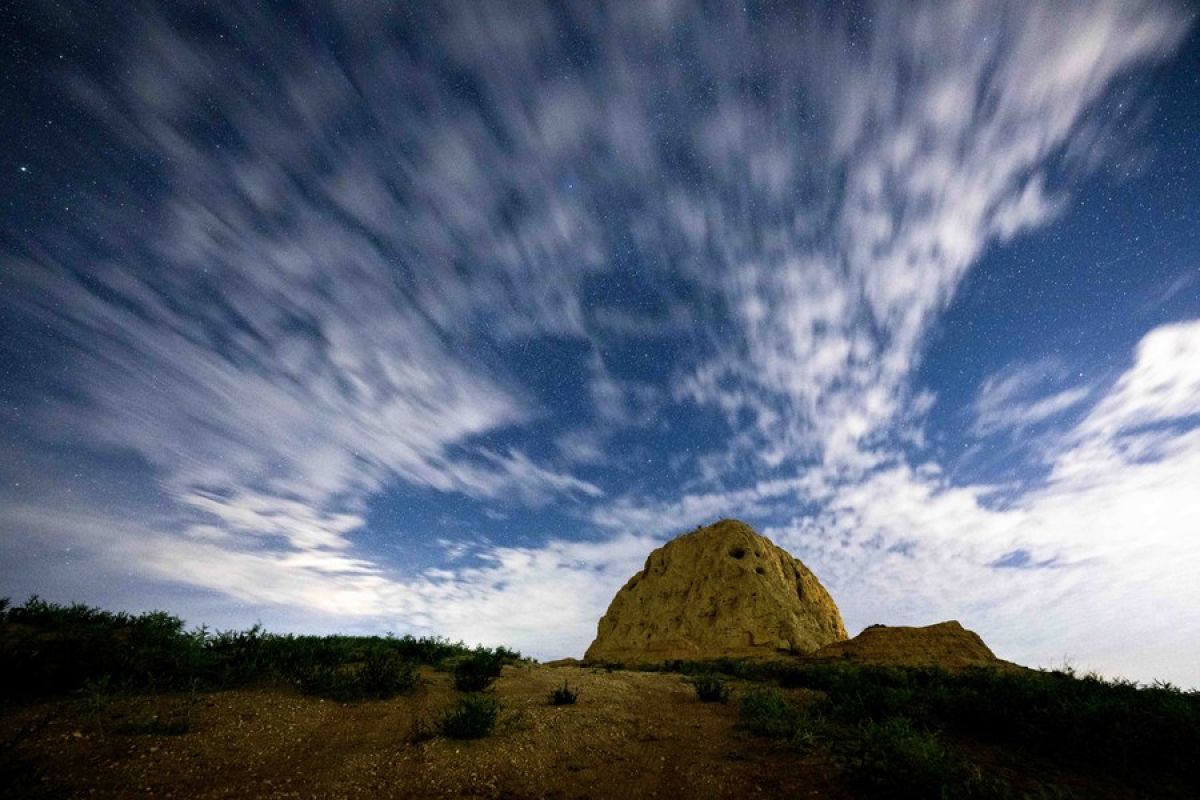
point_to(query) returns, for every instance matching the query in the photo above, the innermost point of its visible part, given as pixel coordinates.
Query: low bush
(766, 712)
(1118, 726)
(477, 671)
(1114, 724)
(472, 717)
(385, 674)
(563, 696)
(727, 667)
(380, 676)
(896, 759)
(328, 680)
(48, 649)
(710, 688)
(885, 725)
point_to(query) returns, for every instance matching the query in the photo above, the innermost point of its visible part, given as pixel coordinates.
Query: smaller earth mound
(947, 645)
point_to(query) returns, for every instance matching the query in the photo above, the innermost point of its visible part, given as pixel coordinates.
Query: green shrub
(472, 717)
(563, 696)
(766, 712)
(385, 674)
(1145, 735)
(477, 671)
(380, 676)
(710, 688)
(47, 649)
(725, 666)
(326, 680)
(895, 759)
(426, 650)
(1116, 725)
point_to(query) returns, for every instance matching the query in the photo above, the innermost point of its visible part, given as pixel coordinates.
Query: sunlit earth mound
(947, 645)
(719, 591)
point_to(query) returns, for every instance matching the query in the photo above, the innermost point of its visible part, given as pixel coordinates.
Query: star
(23, 169)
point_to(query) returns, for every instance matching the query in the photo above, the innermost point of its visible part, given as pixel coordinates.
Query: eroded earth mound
(719, 591)
(947, 645)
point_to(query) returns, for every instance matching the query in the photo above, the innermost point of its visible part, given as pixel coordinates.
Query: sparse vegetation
(381, 675)
(564, 696)
(477, 671)
(472, 717)
(710, 688)
(48, 649)
(767, 712)
(893, 729)
(1115, 724)
(896, 759)
(96, 697)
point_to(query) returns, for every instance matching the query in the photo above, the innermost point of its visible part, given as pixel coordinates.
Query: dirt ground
(631, 735)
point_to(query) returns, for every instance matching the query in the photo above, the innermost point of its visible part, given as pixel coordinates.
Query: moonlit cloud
(945, 126)
(1163, 385)
(440, 320)
(1017, 397)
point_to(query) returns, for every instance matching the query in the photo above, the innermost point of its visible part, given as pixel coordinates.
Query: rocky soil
(630, 735)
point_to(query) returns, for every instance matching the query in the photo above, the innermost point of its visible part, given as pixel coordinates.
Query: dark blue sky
(437, 318)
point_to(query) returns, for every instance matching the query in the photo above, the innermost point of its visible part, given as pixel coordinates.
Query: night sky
(437, 318)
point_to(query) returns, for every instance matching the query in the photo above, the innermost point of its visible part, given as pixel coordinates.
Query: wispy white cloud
(288, 337)
(1022, 395)
(660, 518)
(620, 402)
(1162, 386)
(946, 126)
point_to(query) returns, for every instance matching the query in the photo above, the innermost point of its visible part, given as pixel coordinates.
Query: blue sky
(438, 318)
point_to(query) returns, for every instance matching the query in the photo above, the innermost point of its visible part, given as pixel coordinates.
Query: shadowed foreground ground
(631, 734)
(789, 730)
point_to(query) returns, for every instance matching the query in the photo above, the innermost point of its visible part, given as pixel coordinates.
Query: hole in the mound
(737, 552)
(760, 570)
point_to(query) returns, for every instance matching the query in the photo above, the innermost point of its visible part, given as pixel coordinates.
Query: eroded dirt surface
(631, 735)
